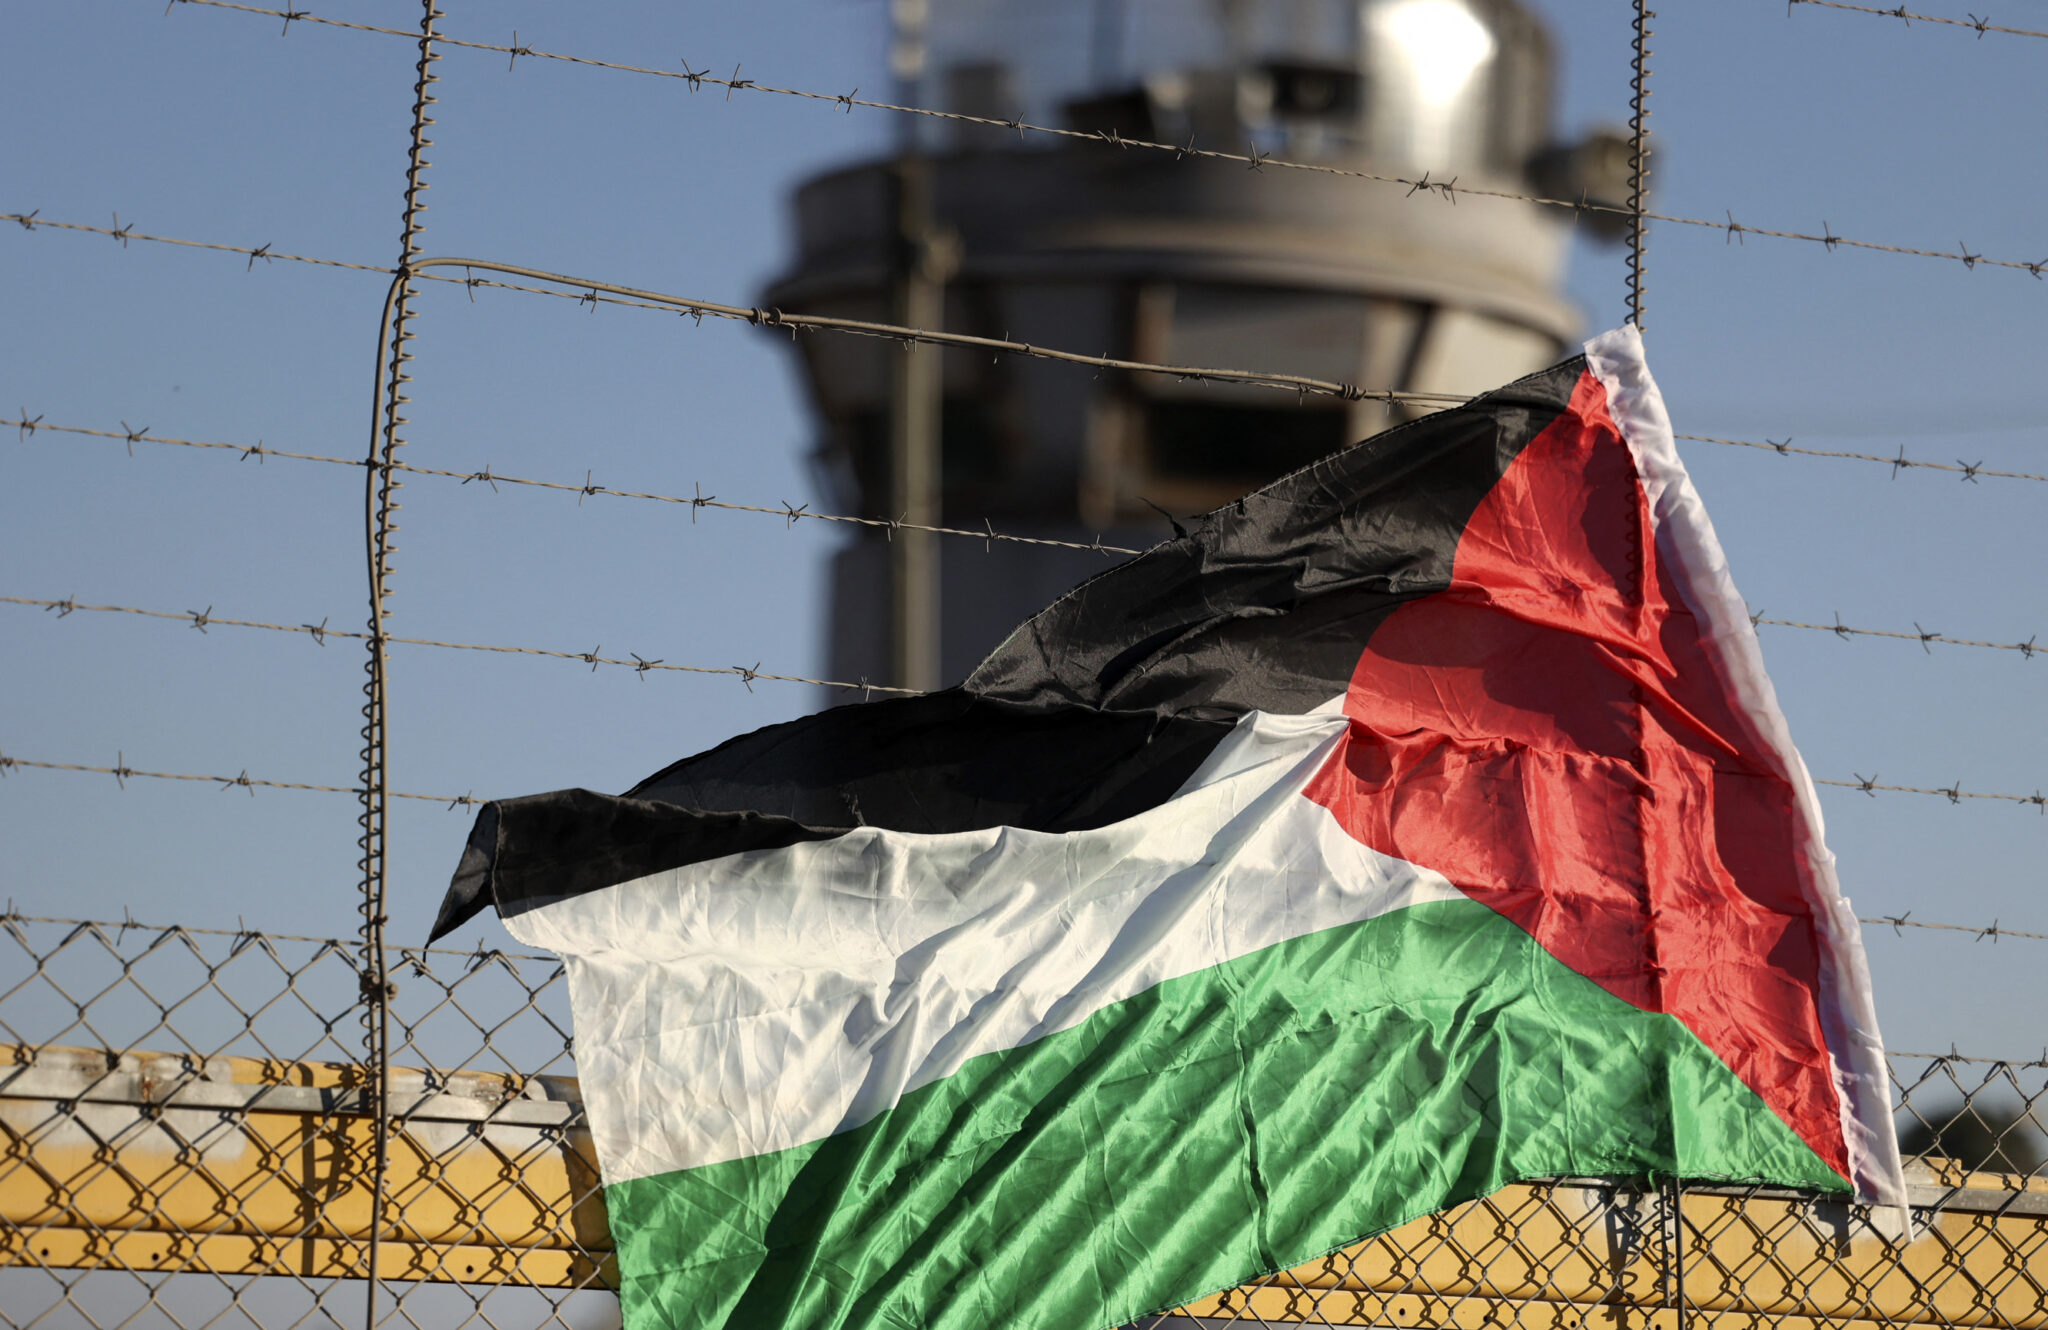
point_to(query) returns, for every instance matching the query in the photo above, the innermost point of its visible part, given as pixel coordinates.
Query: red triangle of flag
(1553, 735)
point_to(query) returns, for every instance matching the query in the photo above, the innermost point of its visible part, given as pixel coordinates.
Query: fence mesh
(184, 1142)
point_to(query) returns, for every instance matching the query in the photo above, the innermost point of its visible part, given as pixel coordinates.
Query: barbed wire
(1994, 931)
(28, 425)
(1968, 471)
(32, 221)
(10, 916)
(1953, 1056)
(1955, 794)
(203, 619)
(380, 547)
(1979, 25)
(320, 632)
(1638, 159)
(121, 772)
(584, 290)
(793, 513)
(594, 293)
(128, 923)
(1448, 190)
(789, 513)
(1919, 634)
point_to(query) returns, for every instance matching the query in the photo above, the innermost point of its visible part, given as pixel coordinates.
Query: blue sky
(211, 125)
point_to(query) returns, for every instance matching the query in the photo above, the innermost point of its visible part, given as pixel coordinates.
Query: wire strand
(206, 618)
(9, 916)
(790, 514)
(1955, 794)
(584, 290)
(121, 771)
(1638, 160)
(1979, 25)
(1448, 190)
(1994, 930)
(203, 619)
(1920, 635)
(1969, 472)
(320, 632)
(587, 291)
(35, 221)
(1953, 1056)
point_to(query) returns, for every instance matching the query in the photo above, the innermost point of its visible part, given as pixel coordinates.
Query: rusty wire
(586, 291)
(32, 221)
(1895, 922)
(1979, 25)
(1953, 1056)
(320, 632)
(1638, 158)
(28, 425)
(387, 420)
(1994, 930)
(1449, 190)
(788, 512)
(206, 618)
(10, 915)
(121, 772)
(202, 619)
(1970, 472)
(794, 513)
(1955, 793)
(1919, 634)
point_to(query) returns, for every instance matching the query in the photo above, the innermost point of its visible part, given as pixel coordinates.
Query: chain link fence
(185, 1141)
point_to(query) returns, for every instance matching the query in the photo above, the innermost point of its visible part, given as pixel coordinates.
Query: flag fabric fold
(1420, 823)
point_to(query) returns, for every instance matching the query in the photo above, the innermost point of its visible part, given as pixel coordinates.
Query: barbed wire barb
(122, 772)
(595, 293)
(696, 501)
(1848, 632)
(1978, 25)
(1252, 160)
(747, 675)
(33, 221)
(1955, 793)
(1898, 463)
(320, 632)
(1996, 930)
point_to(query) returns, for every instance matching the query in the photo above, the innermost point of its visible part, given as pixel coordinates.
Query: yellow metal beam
(243, 1166)
(1563, 1256)
(238, 1165)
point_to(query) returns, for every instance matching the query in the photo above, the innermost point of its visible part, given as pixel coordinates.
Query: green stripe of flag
(1250, 1116)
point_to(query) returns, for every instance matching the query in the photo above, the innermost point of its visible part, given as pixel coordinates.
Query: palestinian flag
(1420, 823)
